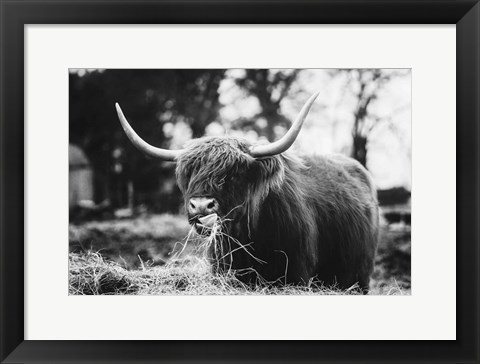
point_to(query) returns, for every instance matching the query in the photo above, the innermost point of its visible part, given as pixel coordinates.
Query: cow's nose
(202, 206)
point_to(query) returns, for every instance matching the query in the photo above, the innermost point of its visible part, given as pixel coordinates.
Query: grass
(132, 241)
(146, 256)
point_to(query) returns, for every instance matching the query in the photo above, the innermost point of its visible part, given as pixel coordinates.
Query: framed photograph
(239, 181)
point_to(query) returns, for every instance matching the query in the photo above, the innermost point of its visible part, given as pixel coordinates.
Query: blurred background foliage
(364, 113)
(154, 101)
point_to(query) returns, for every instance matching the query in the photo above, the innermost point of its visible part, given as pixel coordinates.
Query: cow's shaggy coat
(311, 217)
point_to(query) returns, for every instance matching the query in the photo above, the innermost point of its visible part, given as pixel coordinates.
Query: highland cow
(286, 218)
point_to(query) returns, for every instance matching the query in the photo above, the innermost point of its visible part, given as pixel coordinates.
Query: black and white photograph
(236, 181)
(239, 181)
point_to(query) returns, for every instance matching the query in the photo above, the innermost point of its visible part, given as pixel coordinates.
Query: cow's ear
(268, 173)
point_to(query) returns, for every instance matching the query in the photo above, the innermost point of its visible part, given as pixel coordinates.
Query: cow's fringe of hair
(209, 170)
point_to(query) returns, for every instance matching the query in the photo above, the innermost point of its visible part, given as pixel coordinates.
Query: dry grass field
(147, 255)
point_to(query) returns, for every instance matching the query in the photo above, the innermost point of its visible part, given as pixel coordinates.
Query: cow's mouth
(205, 224)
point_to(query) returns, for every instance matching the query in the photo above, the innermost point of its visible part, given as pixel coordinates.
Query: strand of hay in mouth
(190, 237)
(242, 246)
(215, 238)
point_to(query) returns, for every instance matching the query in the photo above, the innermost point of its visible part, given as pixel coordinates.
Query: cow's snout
(202, 206)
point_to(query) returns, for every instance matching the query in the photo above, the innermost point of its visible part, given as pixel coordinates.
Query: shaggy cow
(285, 218)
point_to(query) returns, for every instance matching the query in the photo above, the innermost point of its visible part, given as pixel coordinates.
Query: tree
(270, 87)
(365, 85)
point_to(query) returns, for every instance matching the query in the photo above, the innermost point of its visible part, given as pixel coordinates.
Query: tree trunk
(359, 151)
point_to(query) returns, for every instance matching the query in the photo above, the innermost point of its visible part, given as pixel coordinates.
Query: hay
(199, 264)
(91, 274)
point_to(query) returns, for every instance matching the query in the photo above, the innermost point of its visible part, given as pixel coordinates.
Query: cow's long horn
(142, 145)
(287, 140)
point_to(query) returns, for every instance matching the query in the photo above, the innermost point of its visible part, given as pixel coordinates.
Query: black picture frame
(15, 14)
